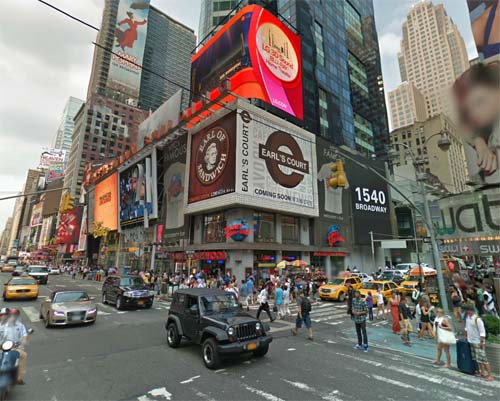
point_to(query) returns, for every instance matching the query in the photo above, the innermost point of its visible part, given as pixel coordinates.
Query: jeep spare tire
(210, 355)
(173, 337)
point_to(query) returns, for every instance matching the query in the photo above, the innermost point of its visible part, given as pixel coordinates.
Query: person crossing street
(359, 312)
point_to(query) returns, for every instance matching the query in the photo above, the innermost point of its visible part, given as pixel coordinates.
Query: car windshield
(337, 281)
(27, 281)
(369, 285)
(387, 274)
(73, 296)
(38, 269)
(19, 268)
(131, 282)
(219, 303)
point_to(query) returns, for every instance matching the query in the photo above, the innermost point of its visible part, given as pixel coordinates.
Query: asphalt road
(124, 356)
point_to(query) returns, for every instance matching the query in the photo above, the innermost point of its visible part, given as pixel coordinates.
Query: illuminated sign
(106, 202)
(259, 55)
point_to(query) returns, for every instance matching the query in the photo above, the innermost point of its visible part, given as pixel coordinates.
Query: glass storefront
(264, 266)
(213, 228)
(290, 229)
(264, 225)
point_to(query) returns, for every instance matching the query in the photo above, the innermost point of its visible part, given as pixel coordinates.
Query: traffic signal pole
(32, 193)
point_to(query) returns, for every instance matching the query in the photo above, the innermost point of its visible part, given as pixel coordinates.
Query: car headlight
(230, 331)
(333, 290)
(258, 326)
(128, 294)
(58, 313)
(93, 310)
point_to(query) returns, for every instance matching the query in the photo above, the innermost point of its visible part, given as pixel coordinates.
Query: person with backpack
(489, 302)
(476, 336)
(303, 314)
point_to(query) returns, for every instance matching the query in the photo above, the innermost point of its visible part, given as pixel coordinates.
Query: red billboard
(213, 160)
(259, 55)
(68, 231)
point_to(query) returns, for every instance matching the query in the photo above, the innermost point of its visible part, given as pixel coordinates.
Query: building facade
(5, 237)
(433, 54)
(449, 167)
(64, 134)
(406, 105)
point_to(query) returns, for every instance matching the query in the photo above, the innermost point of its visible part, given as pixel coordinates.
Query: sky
(47, 57)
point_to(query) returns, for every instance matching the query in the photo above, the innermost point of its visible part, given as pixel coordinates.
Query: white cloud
(389, 44)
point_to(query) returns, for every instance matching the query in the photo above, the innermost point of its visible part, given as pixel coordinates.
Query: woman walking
(456, 299)
(425, 320)
(395, 299)
(445, 337)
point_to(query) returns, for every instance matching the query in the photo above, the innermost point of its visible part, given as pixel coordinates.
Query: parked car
(20, 288)
(336, 289)
(385, 287)
(213, 318)
(126, 291)
(68, 307)
(54, 270)
(39, 272)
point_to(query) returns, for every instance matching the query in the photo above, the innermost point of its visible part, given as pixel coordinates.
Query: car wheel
(47, 321)
(260, 352)
(210, 354)
(104, 298)
(173, 337)
(148, 305)
(119, 303)
(341, 297)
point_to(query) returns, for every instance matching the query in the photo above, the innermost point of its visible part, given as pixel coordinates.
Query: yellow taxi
(408, 286)
(336, 289)
(385, 287)
(23, 287)
(8, 268)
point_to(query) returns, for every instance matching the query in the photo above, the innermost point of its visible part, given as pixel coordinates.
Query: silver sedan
(67, 307)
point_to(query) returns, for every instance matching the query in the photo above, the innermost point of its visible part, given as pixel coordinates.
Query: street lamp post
(444, 144)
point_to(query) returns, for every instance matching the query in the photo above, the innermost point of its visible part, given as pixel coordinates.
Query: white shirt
(380, 298)
(286, 296)
(474, 326)
(263, 296)
(418, 312)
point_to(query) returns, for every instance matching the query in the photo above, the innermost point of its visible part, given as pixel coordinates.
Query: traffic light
(67, 203)
(338, 178)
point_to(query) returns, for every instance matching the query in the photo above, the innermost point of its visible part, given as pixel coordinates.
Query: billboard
(68, 231)
(36, 215)
(212, 161)
(259, 55)
(138, 192)
(106, 202)
(51, 157)
(175, 184)
(130, 39)
(484, 18)
(82, 238)
(45, 231)
(55, 172)
(369, 200)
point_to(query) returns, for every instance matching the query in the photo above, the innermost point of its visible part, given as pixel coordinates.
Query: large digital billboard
(260, 56)
(129, 42)
(51, 157)
(212, 162)
(138, 191)
(36, 215)
(68, 231)
(106, 202)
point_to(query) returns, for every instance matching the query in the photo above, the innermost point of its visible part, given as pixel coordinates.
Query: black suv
(126, 291)
(213, 318)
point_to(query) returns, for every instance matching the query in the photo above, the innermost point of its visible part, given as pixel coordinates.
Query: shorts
(478, 353)
(306, 319)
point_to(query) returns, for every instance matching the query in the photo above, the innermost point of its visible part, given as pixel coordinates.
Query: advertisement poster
(68, 231)
(55, 171)
(212, 160)
(334, 203)
(276, 164)
(369, 200)
(129, 42)
(174, 184)
(82, 240)
(51, 157)
(484, 18)
(106, 202)
(138, 192)
(261, 57)
(36, 215)
(46, 231)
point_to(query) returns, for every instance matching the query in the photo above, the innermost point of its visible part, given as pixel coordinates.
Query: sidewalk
(380, 335)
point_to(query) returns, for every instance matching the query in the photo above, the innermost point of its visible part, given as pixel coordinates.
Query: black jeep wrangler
(213, 318)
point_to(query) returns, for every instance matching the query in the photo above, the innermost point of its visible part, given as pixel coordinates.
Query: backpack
(305, 306)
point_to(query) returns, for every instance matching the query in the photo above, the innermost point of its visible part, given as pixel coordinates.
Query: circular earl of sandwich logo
(212, 155)
(284, 159)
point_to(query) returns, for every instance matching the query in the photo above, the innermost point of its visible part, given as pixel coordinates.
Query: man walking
(278, 301)
(303, 314)
(476, 334)
(359, 312)
(405, 317)
(244, 293)
(350, 296)
(250, 289)
(263, 300)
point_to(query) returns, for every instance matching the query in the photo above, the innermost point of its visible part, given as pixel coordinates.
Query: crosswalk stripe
(32, 313)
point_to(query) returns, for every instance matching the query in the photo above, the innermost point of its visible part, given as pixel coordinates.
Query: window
(264, 225)
(290, 226)
(323, 113)
(357, 74)
(352, 21)
(318, 40)
(213, 227)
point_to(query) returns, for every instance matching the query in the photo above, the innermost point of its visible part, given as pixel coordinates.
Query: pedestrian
(286, 299)
(359, 312)
(425, 319)
(476, 335)
(369, 303)
(396, 328)
(303, 314)
(456, 300)
(350, 296)
(405, 317)
(263, 300)
(244, 293)
(250, 289)
(444, 336)
(278, 302)
(489, 302)
(418, 316)
(380, 305)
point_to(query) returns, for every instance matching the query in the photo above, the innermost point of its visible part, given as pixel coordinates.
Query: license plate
(251, 346)
(140, 302)
(75, 318)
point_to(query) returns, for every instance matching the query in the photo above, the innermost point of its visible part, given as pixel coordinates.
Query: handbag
(446, 336)
(275, 308)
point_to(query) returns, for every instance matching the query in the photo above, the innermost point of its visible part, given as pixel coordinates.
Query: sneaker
(365, 348)
(357, 346)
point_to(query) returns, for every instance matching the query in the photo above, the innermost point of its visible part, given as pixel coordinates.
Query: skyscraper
(62, 138)
(433, 54)
(406, 105)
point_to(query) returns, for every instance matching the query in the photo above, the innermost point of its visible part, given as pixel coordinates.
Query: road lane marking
(263, 394)
(32, 313)
(304, 387)
(102, 313)
(190, 380)
(157, 392)
(205, 396)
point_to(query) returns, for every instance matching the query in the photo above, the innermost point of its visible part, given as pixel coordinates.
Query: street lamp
(444, 144)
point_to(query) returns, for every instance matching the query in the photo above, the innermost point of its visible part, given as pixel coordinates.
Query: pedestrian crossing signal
(338, 178)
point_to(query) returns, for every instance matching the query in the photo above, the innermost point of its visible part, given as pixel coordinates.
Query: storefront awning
(330, 253)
